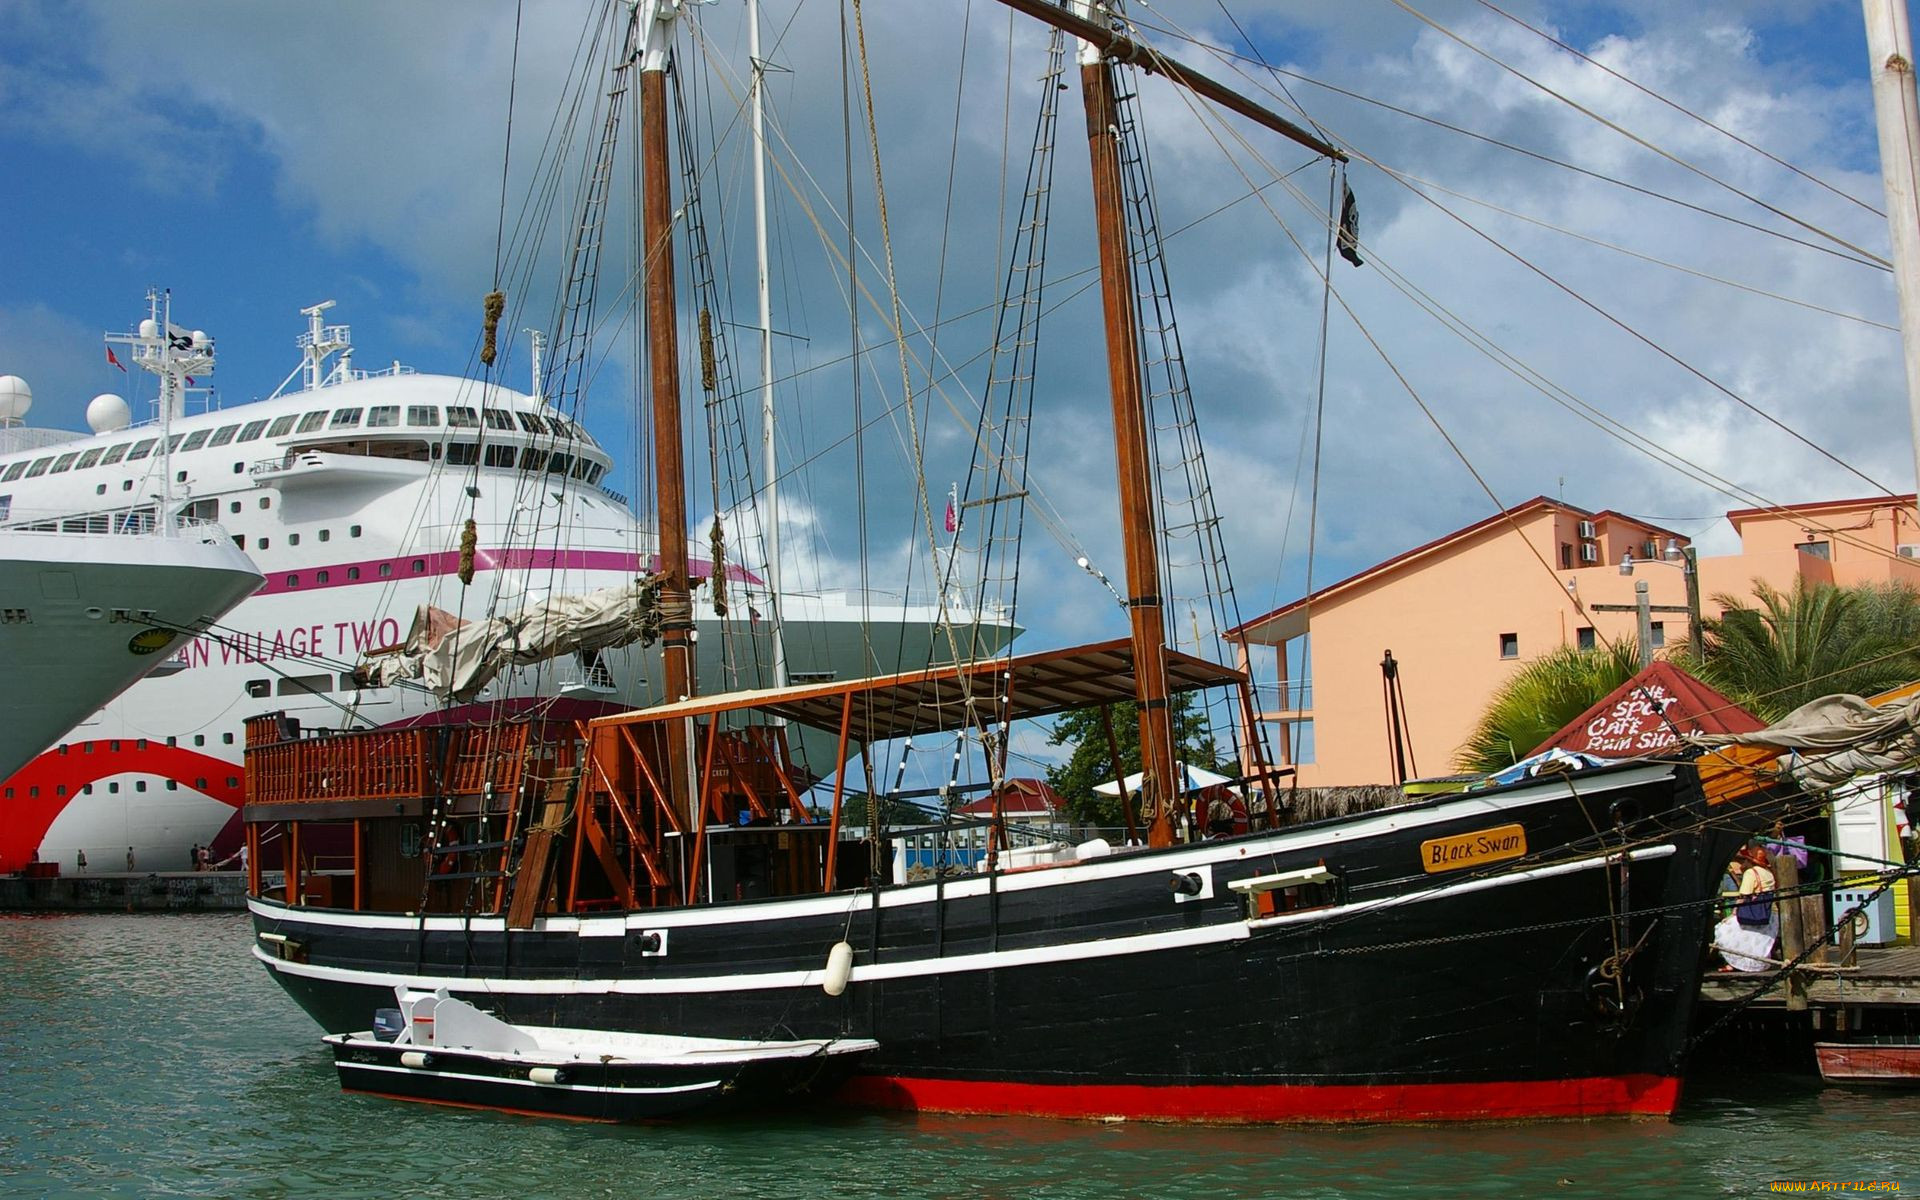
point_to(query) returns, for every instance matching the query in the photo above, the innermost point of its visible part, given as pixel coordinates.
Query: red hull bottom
(1285, 1104)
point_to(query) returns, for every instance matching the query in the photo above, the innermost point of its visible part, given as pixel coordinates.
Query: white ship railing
(136, 521)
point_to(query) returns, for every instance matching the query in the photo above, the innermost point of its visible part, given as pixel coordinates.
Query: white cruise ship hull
(353, 497)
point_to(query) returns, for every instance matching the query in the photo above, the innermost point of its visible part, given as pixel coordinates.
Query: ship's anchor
(1611, 992)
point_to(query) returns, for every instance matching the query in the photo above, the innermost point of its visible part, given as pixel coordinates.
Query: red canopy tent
(1648, 713)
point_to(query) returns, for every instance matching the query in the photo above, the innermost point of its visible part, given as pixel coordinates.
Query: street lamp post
(1683, 557)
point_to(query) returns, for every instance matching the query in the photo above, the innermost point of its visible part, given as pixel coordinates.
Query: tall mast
(656, 19)
(1890, 51)
(770, 509)
(1134, 471)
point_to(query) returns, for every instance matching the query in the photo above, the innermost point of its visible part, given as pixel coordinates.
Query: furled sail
(457, 658)
(1838, 737)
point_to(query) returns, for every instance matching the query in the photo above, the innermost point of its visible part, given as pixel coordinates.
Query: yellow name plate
(1472, 849)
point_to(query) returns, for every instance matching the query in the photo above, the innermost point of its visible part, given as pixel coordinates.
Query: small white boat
(441, 1050)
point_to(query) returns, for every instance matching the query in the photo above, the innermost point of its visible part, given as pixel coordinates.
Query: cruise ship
(364, 497)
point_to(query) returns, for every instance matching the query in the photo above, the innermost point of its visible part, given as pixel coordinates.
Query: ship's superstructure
(354, 494)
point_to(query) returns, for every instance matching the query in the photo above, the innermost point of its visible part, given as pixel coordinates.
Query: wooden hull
(1886, 1063)
(1485, 992)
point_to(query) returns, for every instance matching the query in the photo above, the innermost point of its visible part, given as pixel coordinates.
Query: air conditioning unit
(1909, 550)
(1589, 552)
(1586, 530)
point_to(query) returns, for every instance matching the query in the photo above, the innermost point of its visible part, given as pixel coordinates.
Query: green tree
(1817, 639)
(1539, 700)
(1092, 762)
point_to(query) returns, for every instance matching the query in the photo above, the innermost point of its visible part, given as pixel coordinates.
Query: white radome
(108, 413)
(15, 398)
(149, 328)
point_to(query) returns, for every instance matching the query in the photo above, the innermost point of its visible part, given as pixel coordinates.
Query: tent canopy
(1193, 779)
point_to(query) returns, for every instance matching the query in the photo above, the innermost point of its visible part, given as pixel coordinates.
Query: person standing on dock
(130, 866)
(80, 861)
(1746, 937)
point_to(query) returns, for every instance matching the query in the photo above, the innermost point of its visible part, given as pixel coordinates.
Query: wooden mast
(1133, 464)
(663, 354)
(1100, 45)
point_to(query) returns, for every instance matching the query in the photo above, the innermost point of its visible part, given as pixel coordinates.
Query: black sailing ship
(1524, 951)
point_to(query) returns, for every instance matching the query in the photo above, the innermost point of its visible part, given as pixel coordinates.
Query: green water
(150, 1056)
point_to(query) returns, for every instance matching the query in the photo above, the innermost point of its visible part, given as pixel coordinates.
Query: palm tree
(1539, 700)
(1816, 640)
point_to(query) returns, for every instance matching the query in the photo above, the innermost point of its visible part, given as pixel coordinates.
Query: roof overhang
(945, 698)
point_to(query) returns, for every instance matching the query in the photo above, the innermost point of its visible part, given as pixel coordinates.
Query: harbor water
(149, 1055)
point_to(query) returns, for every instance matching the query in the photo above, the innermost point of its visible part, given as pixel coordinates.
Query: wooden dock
(1878, 976)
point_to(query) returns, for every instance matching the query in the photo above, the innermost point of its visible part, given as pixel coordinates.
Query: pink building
(1462, 612)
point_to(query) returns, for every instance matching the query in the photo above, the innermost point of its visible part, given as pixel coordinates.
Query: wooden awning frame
(934, 700)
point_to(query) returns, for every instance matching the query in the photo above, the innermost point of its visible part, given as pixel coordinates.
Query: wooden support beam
(839, 789)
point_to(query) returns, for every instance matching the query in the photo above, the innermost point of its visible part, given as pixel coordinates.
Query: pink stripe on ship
(447, 562)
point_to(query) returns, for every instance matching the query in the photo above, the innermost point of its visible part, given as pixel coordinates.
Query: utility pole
(1896, 112)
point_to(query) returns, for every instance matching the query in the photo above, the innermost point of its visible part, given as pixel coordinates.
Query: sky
(254, 159)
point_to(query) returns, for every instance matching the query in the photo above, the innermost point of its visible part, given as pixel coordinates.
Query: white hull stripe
(1117, 867)
(1145, 943)
(676, 1089)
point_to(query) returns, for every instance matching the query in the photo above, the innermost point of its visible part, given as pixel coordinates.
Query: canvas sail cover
(457, 658)
(1650, 714)
(1838, 737)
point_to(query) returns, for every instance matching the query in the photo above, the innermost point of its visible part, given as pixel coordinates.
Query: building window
(1659, 634)
(1566, 556)
(1585, 637)
(1509, 645)
(1817, 549)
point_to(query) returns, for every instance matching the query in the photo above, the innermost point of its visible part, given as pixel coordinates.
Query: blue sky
(255, 160)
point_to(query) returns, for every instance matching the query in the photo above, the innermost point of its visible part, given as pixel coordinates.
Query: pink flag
(952, 525)
(112, 359)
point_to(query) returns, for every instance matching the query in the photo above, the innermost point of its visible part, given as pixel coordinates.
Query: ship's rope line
(1234, 62)
(1682, 109)
(1357, 153)
(506, 150)
(1635, 138)
(1633, 332)
(1527, 374)
(1652, 259)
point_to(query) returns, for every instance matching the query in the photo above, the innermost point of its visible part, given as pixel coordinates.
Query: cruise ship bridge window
(558, 426)
(382, 415)
(500, 456)
(223, 435)
(499, 418)
(14, 472)
(115, 453)
(462, 454)
(252, 430)
(530, 422)
(312, 421)
(64, 463)
(281, 425)
(423, 414)
(196, 439)
(141, 449)
(459, 416)
(88, 459)
(39, 468)
(533, 460)
(560, 464)
(173, 443)
(344, 418)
